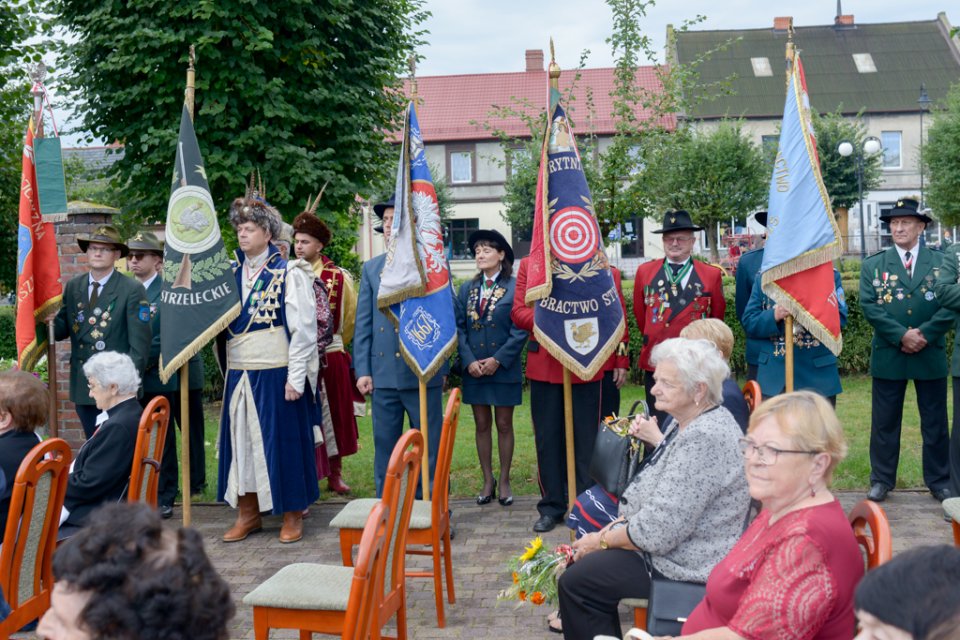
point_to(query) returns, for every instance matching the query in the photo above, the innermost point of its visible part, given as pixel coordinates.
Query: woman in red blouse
(794, 571)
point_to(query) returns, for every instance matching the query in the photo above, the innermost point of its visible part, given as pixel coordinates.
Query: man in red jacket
(671, 293)
(545, 374)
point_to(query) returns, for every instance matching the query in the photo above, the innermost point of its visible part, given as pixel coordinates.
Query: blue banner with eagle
(577, 313)
(415, 291)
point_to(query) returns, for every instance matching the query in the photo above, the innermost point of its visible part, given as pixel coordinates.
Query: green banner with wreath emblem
(199, 297)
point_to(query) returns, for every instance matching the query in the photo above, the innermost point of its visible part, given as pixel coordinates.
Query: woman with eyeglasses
(682, 512)
(797, 565)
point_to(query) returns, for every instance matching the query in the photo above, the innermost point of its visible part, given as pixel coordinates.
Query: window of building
(632, 238)
(864, 62)
(635, 154)
(458, 230)
(769, 146)
(460, 163)
(516, 157)
(891, 149)
(761, 67)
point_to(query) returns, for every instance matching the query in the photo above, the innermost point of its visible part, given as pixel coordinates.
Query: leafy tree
(839, 173)
(715, 174)
(303, 91)
(941, 158)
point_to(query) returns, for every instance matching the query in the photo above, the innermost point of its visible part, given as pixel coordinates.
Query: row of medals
(99, 315)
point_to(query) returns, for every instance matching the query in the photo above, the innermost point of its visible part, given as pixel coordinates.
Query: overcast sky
(483, 36)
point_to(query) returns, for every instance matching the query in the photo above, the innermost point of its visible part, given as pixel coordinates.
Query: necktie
(675, 268)
(94, 295)
(908, 263)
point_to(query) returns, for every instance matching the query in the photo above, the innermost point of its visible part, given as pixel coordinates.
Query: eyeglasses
(136, 256)
(765, 453)
(678, 240)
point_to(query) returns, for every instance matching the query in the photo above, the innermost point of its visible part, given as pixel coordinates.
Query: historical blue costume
(267, 442)
(376, 353)
(814, 366)
(748, 268)
(486, 330)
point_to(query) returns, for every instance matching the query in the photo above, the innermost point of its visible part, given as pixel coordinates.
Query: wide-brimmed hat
(905, 208)
(380, 207)
(311, 225)
(492, 236)
(678, 220)
(105, 234)
(145, 241)
(761, 217)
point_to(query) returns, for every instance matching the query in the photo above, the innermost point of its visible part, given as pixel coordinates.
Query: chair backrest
(441, 483)
(26, 559)
(148, 452)
(399, 492)
(367, 575)
(752, 394)
(872, 531)
(951, 506)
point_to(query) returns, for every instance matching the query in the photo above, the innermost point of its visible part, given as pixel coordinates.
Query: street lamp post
(924, 102)
(870, 146)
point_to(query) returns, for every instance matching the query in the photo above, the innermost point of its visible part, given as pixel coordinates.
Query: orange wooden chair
(951, 507)
(302, 596)
(752, 394)
(400, 486)
(30, 538)
(872, 531)
(148, 452)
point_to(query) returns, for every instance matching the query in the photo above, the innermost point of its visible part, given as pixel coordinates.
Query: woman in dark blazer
(24, 406)
(490, 347)
(101, 472)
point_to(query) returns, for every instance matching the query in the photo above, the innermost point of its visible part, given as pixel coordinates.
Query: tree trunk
(714, 232)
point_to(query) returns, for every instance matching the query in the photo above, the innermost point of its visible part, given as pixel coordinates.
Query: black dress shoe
(505, 501)
(941, 494)
(166, 511)
(878, 492)
(544, 524)
(482, 500)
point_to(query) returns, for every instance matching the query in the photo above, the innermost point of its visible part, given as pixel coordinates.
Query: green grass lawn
(853, 407)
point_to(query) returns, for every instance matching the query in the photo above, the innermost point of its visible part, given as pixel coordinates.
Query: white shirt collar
(102, 281)
(913, 251)
(149, 281)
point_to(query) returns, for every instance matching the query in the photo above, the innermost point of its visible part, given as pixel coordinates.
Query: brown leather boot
(248, 519)
(335, 483)
(292, 529)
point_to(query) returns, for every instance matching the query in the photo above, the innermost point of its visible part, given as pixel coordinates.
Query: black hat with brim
(761, 217)
(380, 207)
(905, 208)
(678, 220)
(496, 238)
(104, 235)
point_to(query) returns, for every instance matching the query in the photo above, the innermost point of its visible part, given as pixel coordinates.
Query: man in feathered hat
(311, 235)
(102, 311)
(267, 426)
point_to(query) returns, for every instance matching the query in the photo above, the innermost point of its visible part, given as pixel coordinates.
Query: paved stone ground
(485, 538)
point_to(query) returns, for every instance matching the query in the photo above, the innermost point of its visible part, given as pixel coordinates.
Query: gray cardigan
(687, 509)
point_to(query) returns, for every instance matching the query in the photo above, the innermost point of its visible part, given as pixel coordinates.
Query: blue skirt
(593, 510)
(498, 394)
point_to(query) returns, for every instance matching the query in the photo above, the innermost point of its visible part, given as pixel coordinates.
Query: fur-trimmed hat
(258, 212)
(311, 225)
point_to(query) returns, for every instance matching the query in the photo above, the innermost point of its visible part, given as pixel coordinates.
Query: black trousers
(546, 410)
(609, 396)
(88, 418)
(752, 370)
(955, 440)
(167, 488)
(591, 588)
(198, 459)
(887, 409)
(648, 383)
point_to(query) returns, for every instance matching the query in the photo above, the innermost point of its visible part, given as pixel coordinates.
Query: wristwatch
(603, 542)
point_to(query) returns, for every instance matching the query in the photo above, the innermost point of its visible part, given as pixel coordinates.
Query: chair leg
(346, 549)
(402, 617)
(640, 617)
(448, 566)
(305, 635)
(261, 630)
(438, 581)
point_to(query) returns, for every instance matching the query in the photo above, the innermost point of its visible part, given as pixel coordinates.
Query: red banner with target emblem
(577, 313)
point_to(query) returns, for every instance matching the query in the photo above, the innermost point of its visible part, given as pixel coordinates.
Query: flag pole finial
(188, 94)
(38, 73)
(554, 68)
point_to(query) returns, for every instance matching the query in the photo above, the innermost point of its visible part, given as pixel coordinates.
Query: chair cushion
(305, 586)
(354, 514)
(422, 515)
(634, 602)
(951, 506)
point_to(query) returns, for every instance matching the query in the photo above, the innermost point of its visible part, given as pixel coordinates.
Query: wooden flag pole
(425, 432)
(568, 434)
(188, 96)
(788, 352)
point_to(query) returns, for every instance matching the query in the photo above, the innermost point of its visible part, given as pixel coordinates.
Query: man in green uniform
(102, 311)
(898, 300)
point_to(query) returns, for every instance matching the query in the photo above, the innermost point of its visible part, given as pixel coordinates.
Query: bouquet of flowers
(535, 573)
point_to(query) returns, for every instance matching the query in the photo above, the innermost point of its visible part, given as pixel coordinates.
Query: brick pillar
(83, 218)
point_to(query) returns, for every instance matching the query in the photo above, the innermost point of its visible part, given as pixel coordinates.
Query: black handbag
(670, 604)
(616, 459)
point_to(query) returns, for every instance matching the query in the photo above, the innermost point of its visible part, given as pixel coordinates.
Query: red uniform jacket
(542, 366)
(621, 357)
(662, 313)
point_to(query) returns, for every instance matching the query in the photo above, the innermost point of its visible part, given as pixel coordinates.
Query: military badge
(97, 311)
(93, 321)
(928, 296)
(144, 313)
(101, 345)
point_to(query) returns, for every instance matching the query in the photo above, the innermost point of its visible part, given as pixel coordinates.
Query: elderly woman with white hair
(101, 472)
(683, 511)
